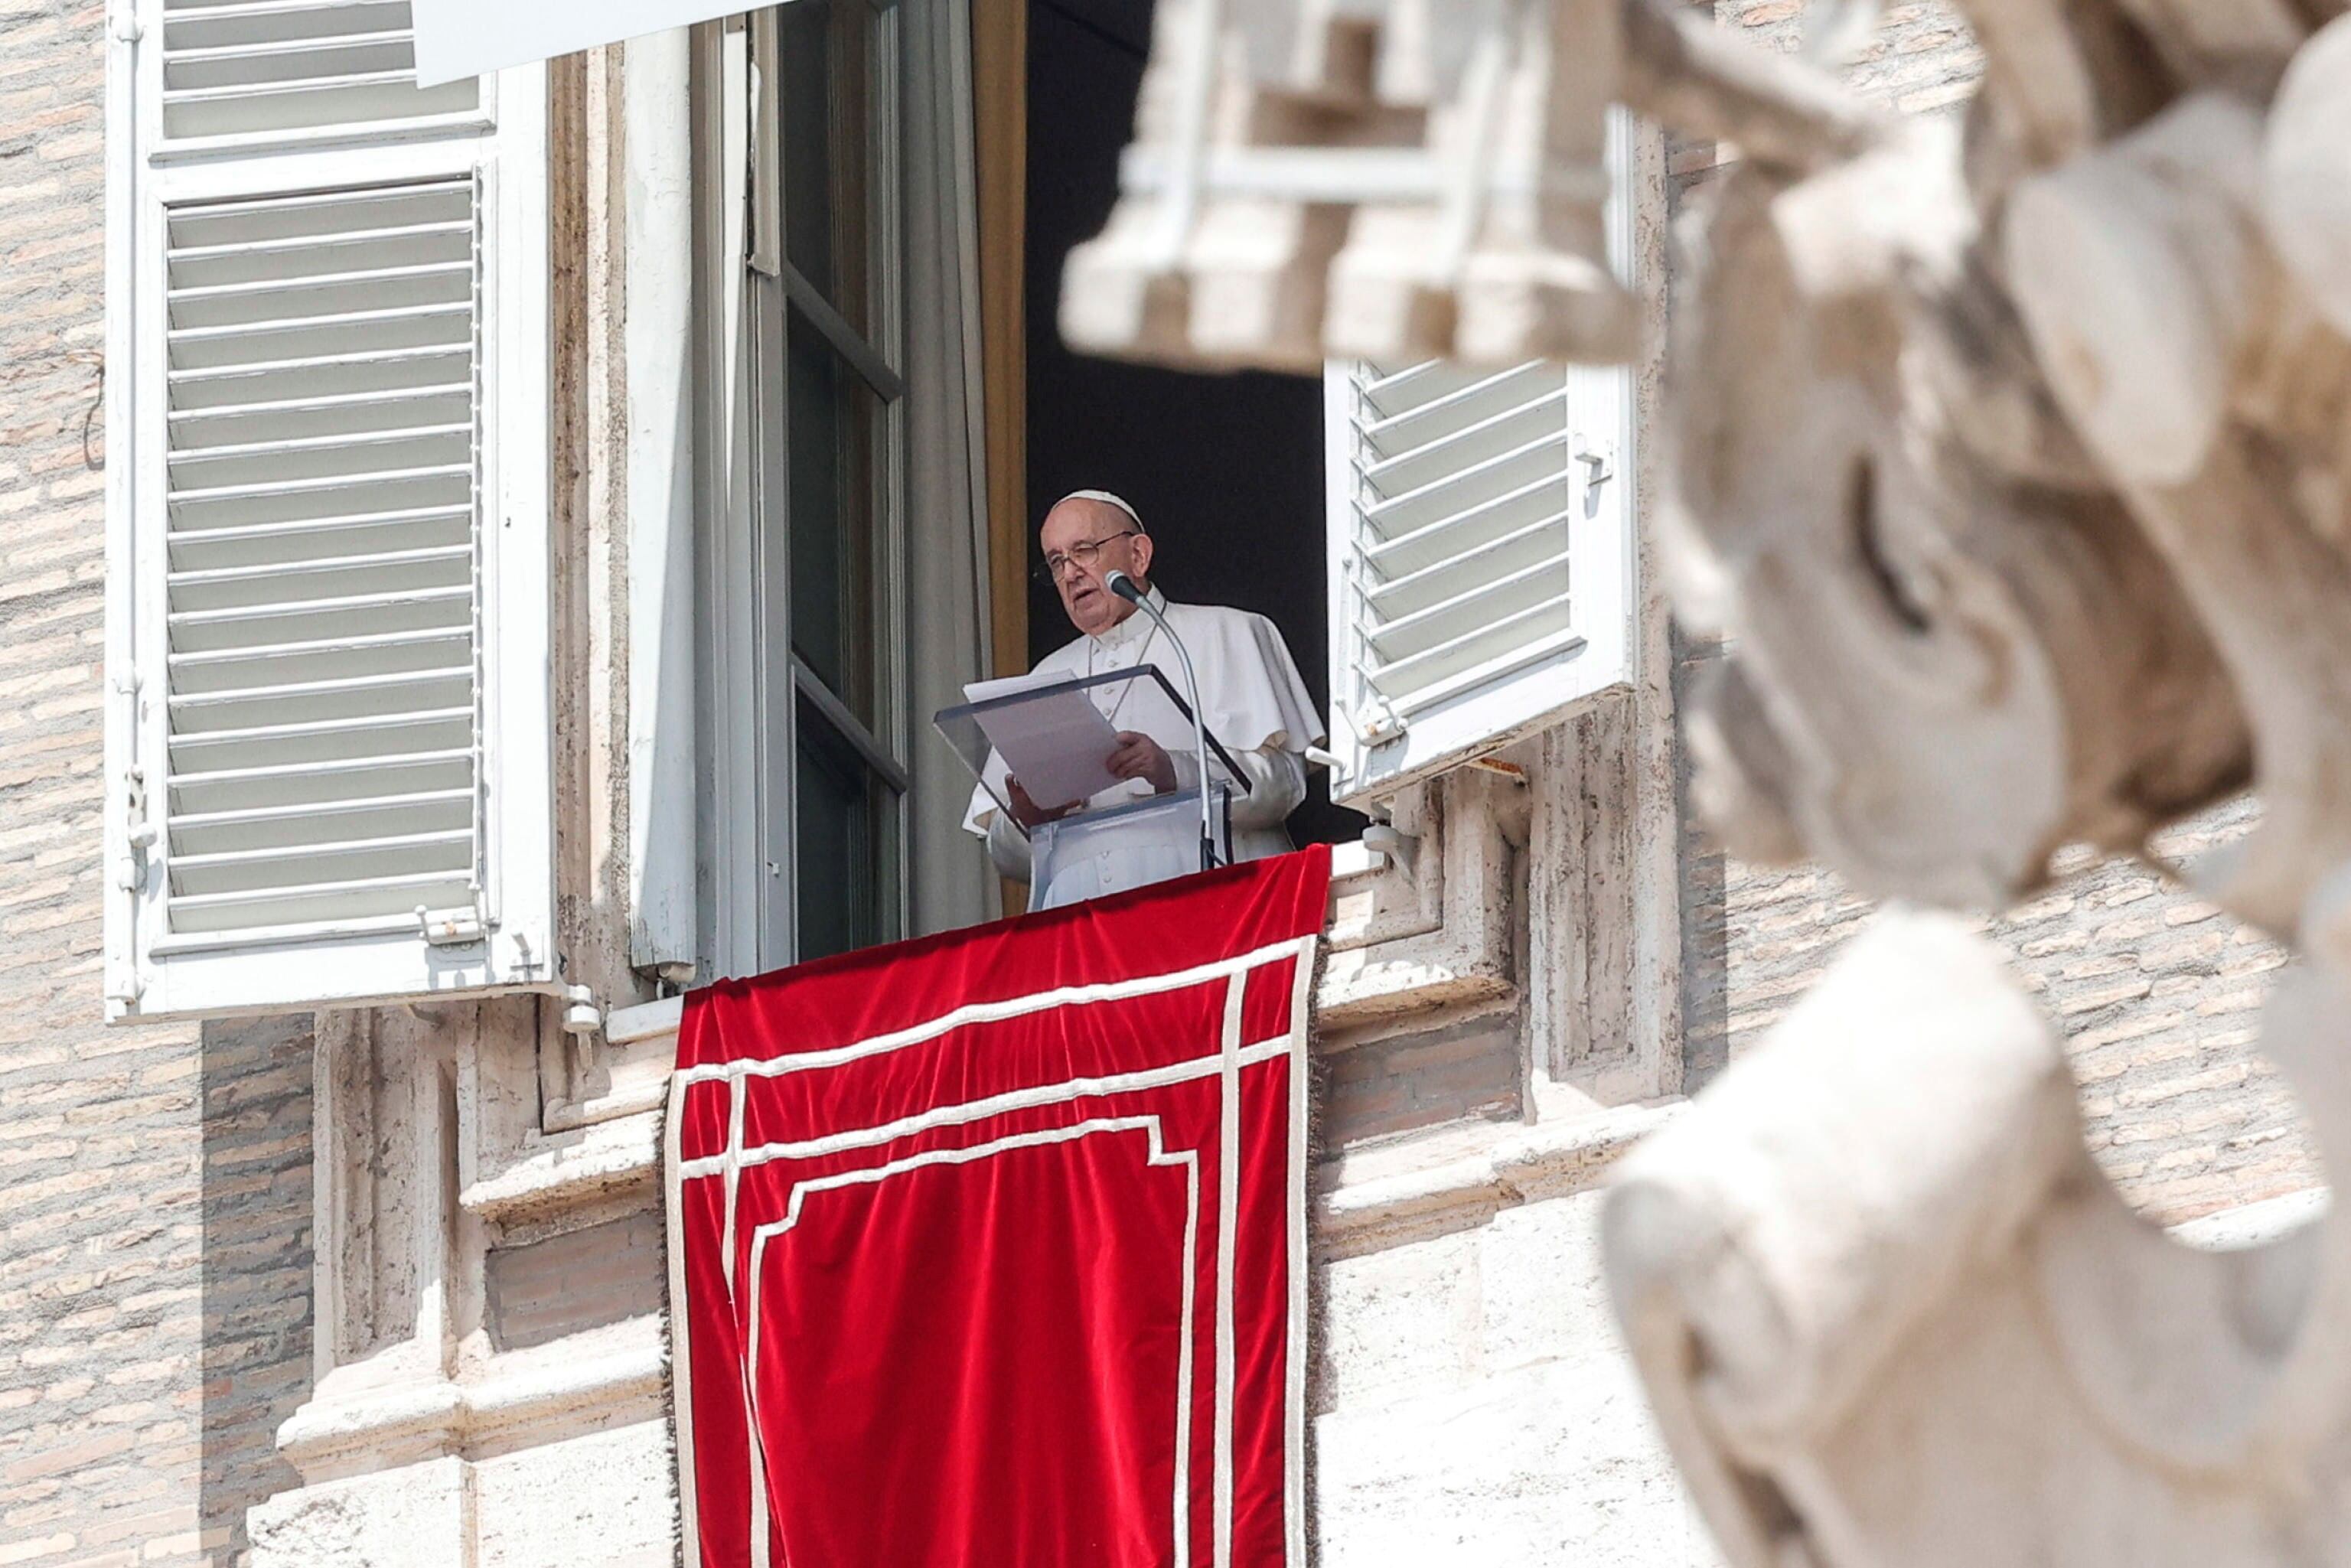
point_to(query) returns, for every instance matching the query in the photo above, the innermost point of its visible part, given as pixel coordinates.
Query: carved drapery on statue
(2012, 451)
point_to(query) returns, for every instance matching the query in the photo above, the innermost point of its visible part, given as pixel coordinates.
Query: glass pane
(848, 847)
(831, 448)
(826, 95)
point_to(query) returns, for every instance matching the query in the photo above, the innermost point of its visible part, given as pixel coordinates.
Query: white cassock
(1254, 703)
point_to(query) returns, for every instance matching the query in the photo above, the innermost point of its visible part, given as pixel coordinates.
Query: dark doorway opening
(1227, 469)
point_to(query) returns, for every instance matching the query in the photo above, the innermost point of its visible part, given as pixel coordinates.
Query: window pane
(848, 851)
(831, 446)
(827, 102)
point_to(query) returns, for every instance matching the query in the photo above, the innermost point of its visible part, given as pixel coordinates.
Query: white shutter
(1480, 558)
(329, 748)
(1481, 548)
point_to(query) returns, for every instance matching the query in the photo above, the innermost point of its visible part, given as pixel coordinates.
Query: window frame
(762, 681)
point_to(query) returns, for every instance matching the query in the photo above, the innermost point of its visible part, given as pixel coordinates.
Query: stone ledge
(1525, 1164)
(622, 1158)
(606, 1160)
(2254, 1224)
(529, 1399)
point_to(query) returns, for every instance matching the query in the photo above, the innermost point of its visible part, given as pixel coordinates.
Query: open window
(807, 659)
(327, 738)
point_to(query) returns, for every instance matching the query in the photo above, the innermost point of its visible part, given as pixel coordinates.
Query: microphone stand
(1122, 585)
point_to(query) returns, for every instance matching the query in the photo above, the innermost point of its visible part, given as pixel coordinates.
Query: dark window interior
(1227, 469)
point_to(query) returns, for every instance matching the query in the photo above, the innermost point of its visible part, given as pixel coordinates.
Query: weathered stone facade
(2157, 991)
(155, 1184)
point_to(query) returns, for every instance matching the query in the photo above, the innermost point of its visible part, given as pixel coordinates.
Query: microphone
(1126, 588)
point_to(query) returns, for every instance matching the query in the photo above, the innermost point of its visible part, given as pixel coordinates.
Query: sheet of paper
(1056, 742)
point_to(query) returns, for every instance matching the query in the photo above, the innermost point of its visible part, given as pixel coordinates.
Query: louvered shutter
(329, 749)
(1481, 557)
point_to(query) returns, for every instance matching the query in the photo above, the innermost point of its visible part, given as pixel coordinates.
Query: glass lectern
(1106, 834)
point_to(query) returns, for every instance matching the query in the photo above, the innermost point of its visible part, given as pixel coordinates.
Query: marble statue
(2011, 449)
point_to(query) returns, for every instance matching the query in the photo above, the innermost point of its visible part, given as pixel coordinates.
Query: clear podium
(1109, 837)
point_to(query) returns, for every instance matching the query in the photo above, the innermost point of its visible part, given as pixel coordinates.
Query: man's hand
(1140, 757)
(1027, 812)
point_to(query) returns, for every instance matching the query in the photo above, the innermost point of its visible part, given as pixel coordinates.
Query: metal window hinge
(1599, 460)
(122, 21)
(140, 828)
(1402, 850)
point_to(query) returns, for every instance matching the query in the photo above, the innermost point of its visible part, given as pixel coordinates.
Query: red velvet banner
(989, 1248)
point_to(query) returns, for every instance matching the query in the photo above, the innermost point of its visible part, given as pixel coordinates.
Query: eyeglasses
(1080, 554)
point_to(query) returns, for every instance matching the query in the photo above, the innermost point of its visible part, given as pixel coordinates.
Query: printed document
(1056, 742)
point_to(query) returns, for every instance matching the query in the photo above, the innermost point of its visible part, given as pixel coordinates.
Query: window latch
(1599, 460)
(1376, 720)
(452, 927)
(138, 831)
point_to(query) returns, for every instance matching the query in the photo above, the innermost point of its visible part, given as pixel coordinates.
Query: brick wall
(154, 1183)
(2156, 992)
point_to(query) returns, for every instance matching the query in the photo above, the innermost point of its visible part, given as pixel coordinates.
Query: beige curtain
(948, 628)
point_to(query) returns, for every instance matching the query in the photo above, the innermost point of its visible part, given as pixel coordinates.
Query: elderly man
(1251, 696)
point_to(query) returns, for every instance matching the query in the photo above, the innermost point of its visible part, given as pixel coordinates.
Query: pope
(1251, 696)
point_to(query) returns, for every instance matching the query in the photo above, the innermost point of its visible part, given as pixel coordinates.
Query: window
(327, 744)
(1480, 549)
(824, 794)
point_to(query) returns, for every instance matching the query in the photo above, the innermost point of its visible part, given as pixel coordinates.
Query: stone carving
(2012, 451)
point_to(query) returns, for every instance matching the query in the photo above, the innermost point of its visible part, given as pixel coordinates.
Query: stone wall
(2156, 991)
(154, 1182)
(1473, 1410)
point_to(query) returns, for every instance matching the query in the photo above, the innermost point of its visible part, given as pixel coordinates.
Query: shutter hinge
(581, 1016)
(452, 927)
(1401, 850)
(1599, 460)
(123, 23)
